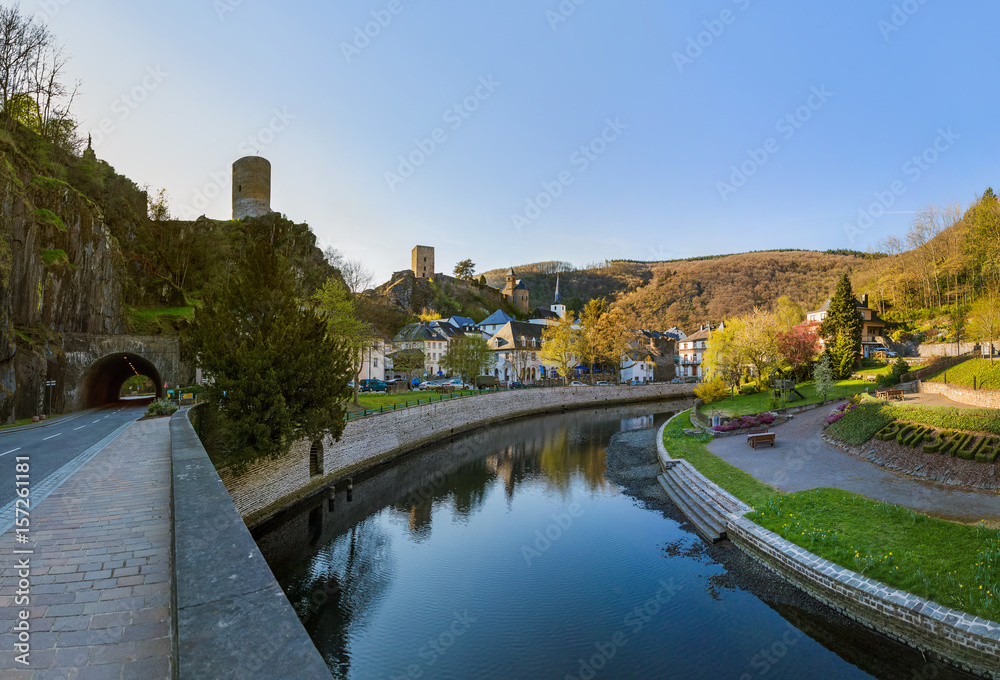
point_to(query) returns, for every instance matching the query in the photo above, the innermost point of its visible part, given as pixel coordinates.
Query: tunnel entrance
(104, 380)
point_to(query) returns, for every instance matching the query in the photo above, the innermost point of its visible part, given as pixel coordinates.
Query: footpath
(99, 587)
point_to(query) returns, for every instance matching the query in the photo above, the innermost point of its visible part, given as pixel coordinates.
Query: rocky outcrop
(58, 263)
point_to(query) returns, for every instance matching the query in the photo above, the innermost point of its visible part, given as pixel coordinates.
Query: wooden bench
(761, 438)
(752, 431)
(895, 394)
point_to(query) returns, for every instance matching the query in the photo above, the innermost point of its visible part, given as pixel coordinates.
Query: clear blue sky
(888, 80)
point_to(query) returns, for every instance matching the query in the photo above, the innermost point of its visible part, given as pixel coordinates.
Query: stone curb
(232, 618)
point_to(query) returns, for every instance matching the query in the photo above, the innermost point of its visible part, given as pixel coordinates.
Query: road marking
(11, 451)
(79, 428)
(96, 421)
(52, 437)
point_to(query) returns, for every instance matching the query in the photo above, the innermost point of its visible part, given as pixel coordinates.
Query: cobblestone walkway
(100, 571)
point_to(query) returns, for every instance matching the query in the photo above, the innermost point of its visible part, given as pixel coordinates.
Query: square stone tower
(423, 262)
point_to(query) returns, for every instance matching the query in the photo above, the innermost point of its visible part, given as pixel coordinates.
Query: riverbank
(972, 643)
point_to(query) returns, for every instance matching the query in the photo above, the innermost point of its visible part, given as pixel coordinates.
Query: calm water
(508, 554)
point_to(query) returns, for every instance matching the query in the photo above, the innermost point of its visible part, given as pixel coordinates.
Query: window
(375, 362)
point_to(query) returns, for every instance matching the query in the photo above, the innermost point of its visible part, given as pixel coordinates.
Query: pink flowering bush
(839, 413)
(746, 422)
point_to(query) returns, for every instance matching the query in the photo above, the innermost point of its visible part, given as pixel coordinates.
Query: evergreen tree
(843, 357)
(276, 374)
(823, 376)
(843, 317)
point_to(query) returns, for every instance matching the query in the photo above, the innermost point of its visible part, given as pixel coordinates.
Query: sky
(576, 130)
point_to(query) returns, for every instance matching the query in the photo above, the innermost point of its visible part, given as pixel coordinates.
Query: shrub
(860, 424)
(161, 407)
(712, 390)
(749, 388)
(746, 422)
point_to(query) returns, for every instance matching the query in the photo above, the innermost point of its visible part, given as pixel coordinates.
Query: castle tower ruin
(251, 187)
(423, 262)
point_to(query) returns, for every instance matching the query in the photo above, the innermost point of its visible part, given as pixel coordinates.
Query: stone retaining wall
(963, 395)
(957, 638)
(262, 490)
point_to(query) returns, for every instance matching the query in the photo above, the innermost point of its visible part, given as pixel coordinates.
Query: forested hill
(687, 293)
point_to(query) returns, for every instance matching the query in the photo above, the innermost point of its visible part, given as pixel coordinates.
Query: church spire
(558, 297)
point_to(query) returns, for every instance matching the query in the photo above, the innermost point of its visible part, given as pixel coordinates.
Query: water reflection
(439, 536)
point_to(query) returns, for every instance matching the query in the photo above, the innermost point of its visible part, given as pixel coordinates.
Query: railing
(405, 405)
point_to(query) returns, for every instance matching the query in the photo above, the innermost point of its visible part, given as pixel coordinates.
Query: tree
(470, 356)
(588, 342)
(986, 319)
(466, 269)
(276, 374)
(721, 359)
(957, 319)
(336, 304)
(559, 344)
(357, 277)
(614, 339)
(823, 376)
(755, 341)
(408, 360)
(843, 317)
(842, 356)
(788, 312)
(158, 206)
(983, 239)
(798, 346)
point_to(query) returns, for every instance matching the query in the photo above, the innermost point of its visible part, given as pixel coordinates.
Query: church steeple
(557, 304)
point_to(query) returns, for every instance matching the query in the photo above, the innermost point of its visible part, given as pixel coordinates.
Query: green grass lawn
(872, 415)
(26, 421)
(756, 403)
(376, 400)
(987, 374)
(953, 564)
(878, 369)
(744, 486)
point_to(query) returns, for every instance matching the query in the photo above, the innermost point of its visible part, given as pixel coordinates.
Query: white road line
(52, 437)
(79, 428)
(11, 451)
(96, 421)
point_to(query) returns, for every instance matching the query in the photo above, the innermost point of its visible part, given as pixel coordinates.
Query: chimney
(864, 300)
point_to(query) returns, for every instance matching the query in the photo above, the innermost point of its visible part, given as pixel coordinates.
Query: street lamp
(50, 384)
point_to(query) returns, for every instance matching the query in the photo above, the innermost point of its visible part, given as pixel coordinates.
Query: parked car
(486, 381)
(517, 386)
(577, 383)
(373, 385)
(427, 385)
(602, 382)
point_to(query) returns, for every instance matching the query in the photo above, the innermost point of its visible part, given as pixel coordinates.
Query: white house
(692, 351)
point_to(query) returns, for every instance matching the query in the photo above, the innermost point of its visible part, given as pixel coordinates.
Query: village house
(692, 352)
(872, 329)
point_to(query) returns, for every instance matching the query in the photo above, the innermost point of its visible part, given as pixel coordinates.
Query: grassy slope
(375, 400)
(953, 564)
(872, 415)
(987, 374)
(756, 403)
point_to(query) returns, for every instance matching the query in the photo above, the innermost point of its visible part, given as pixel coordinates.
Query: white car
(577, 383)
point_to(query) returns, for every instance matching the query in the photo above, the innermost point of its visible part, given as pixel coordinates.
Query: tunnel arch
(105, 377)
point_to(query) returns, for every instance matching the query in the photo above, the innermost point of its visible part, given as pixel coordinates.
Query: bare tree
(356, 275)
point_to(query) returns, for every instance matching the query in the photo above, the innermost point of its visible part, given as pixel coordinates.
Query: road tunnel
(104, 380)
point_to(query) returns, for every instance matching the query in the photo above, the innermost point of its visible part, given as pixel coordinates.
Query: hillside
(690, 292)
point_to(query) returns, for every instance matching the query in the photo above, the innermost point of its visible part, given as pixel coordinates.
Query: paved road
(55, 444)
(801, 460)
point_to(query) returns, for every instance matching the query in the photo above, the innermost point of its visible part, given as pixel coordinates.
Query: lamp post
(50, 384)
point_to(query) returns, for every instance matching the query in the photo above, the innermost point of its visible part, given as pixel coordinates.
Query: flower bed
(746, 422)
(839, 413)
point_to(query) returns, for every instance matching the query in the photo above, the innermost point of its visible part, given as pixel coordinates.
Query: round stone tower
(251, 187)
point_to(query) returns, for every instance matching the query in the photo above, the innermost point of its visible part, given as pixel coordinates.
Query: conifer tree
(843, 317)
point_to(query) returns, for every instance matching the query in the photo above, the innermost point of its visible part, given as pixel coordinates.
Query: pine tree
(843, 357)
(843, 317)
